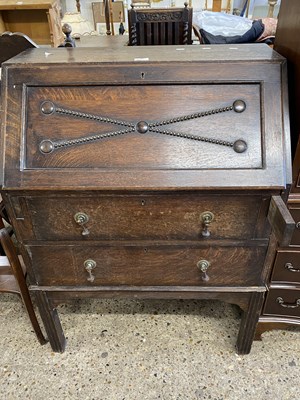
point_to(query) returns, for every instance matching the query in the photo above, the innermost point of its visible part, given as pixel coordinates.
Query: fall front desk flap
(134, 131)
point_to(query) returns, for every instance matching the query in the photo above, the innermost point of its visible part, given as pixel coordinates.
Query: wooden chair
(12, 270)
(13, 278)
(155, 26)
(12, 44)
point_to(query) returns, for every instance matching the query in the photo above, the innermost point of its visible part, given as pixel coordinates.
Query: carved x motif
(48, 146)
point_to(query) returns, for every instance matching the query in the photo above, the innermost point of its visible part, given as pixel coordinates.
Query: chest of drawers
(282, 304)
(147, 172)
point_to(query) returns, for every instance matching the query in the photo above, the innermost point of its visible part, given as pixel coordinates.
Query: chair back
(12, 44)
(155, 26)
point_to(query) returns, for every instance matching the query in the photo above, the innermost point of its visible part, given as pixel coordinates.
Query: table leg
(249, 321)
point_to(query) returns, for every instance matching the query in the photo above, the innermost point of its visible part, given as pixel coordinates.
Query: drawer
(287, 266)
(146, 266)
(140, 217)
(295, 211)
(283, 301)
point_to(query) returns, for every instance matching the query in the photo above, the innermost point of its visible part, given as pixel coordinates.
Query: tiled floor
(142, 350)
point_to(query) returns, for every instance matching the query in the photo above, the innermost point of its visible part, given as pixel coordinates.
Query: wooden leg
(217, 5)
(107, 16)
(248, 324)
(10, 251)
(272, 4)
(51, 322)
(78, 6)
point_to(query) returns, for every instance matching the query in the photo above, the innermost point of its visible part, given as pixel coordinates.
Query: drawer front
(295, 211)
(281, 301)
(287, 266)
(161, 217)
(147, 266)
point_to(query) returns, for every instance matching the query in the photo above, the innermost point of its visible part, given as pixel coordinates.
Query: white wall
(86, 7)
(253, 4)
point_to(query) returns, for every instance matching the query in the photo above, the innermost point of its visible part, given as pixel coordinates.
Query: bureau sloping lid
(136, 123)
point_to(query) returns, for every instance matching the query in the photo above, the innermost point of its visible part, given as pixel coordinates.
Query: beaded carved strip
(47, 146)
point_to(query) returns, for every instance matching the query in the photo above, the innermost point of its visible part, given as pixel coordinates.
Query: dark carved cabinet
(147, 173)
(282, 305)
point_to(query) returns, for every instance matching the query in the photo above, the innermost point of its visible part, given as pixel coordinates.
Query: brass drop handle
(289, 266)
(81, 219)
(206, 218)
(203, 265)
(281, 302)
(89, 266)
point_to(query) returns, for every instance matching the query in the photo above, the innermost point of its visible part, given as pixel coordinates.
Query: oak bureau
(148, 172)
